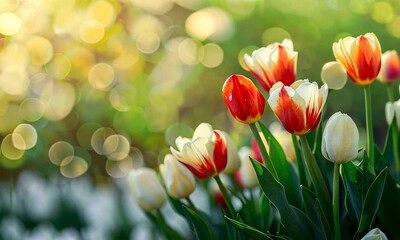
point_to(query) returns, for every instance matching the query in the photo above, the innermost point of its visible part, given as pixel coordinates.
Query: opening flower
(205, 155)
(244, 100)
(274, 63)
(299, 106)
(360, 56)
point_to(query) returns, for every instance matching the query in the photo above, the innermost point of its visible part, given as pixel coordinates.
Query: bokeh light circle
(24, 136)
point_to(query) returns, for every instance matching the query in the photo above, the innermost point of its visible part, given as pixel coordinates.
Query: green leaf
(167, 230)
(297, 225)
(284, 170)
(248, 230)
(371, 203)
(389, 209)
(309, 203)
(265, 206)
(201, 227)
(352, 180)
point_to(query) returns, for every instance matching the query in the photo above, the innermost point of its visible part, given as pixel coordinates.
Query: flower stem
(300, 163)
(191, 204)
(226, 196)
(389, 90)
(368, 119)
(318, 181)
(263, 150)
(336, 220)
(395, 134)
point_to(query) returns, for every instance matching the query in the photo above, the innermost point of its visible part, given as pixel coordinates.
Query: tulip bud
(392, 109)
(233, 158)
(390, 69)
(389, 112)
(179, 181)
(375, 234)
(146, 188)
(334, 74)
(340, 139)
(244, 100)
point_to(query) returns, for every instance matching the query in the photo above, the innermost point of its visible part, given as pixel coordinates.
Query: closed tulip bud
(246, 175)
(392, 109)
(244, 100)
(334, 74)
(375, 234)
(390, 69)
(233, 158)
(274, 63)
(340, 139)
(179, 181)
(360, 56)
(205, 155)
(146, 188)
(299, 106)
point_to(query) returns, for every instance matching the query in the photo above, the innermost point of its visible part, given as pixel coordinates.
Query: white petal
(233, 158)
(288, 43)
(180, 141)
(389, 112)
(203, 130)
(334, 74)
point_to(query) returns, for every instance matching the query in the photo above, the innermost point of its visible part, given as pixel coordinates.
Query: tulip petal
(203, 130)
(289, 107)
(220, 155)
(196, 157)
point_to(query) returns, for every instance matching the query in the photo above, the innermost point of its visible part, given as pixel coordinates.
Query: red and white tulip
(274, 63)
(299, 106)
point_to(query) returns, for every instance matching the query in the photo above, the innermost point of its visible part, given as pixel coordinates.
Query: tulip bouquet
(307, 180)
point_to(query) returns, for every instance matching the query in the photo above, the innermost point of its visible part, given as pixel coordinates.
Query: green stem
(191, 204)
(389, 90)
(395, 134)
(300, 163)
(226, 196)
(336, 219)
(368, 119)
(263, 150)
(317, 180)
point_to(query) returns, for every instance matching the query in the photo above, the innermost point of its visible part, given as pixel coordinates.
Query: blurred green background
(93, 89)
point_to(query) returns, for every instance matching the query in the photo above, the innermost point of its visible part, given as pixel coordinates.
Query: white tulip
(334, 74)
(340, 139)
(178, 179)
(147, 188)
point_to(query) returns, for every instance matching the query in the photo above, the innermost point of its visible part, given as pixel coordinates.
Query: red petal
(220, 153)
(284, 70)
(289, 113)
(367, 59)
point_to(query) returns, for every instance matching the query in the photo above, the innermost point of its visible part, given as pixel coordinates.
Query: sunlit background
(92, 89)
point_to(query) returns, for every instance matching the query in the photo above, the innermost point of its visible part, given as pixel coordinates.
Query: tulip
(360, 56)
(392, 109)
(246, 176)
(179, 181)
(299, 106)
(340, 139)
(205, 155)
(146, 188)
(244, 100)
(375, 234)
(334, 74)
(273, 63)
(390, 70)
(233, 158)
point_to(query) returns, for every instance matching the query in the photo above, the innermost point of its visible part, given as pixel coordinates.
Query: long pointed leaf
(296, 224)
(285, 172)
(371, 203)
